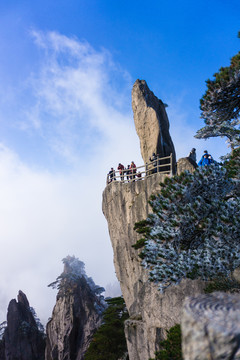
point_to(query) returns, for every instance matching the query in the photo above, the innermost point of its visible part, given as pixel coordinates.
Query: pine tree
(194, 229)
(74, 270)
(109, 341)
(171, 347)
(220, 104)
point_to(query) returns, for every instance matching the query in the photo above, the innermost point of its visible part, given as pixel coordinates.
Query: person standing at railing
(111, 176)
(128, 172)
(153, 159)
(121, 171)
(133, 170)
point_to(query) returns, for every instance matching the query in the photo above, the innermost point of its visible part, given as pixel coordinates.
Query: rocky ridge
(75, 318)
(22, 337)
(76, 315)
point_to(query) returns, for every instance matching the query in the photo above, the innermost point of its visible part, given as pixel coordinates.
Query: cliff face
(75, 317)
(22, 338)
(151, 312)
(124, 204)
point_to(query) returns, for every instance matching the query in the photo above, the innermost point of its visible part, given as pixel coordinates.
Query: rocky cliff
(151, 312)
(76, 315)
(124, 204)
(22, 338)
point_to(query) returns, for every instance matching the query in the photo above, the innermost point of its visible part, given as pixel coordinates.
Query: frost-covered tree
(194, 229)
(220, 107)
(220, 104)
(74, 270)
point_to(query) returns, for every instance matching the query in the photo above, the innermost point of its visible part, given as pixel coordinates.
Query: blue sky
(67, 70)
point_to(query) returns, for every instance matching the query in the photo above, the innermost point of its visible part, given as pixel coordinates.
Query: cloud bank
(70, 129)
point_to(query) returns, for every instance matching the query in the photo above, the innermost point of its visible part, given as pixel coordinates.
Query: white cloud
(76, 103)
(43, 218)
(70, 107)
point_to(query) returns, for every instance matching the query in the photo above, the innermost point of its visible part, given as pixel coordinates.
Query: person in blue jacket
(206, 159)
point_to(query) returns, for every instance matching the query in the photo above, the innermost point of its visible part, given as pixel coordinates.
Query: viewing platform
(163, 165)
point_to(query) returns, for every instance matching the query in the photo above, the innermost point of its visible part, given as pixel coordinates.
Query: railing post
(157, 164)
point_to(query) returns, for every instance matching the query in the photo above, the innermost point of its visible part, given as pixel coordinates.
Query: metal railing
(162, 165)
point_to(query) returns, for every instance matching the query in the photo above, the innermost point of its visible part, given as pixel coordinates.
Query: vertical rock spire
(151, 122)
(22, 338)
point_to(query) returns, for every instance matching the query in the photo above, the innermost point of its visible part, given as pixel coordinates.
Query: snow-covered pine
(74, 270)
(220, 104)
(194, 229)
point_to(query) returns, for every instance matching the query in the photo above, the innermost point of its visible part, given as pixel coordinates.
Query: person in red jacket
(121, 171)
(133, 170)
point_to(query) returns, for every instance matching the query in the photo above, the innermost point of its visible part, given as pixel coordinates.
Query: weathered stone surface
(151, 122)
(22, 338)
(151, 313)
(75, 318)
(186, 164)
(211, 327)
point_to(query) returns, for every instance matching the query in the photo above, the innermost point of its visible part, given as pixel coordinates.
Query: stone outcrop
(186, 164)
(211, 327)
(76, 315)
(151, 122)
(151, 313)
(22, 338)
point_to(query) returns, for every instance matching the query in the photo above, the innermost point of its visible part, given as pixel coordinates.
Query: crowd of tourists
(130, 173)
